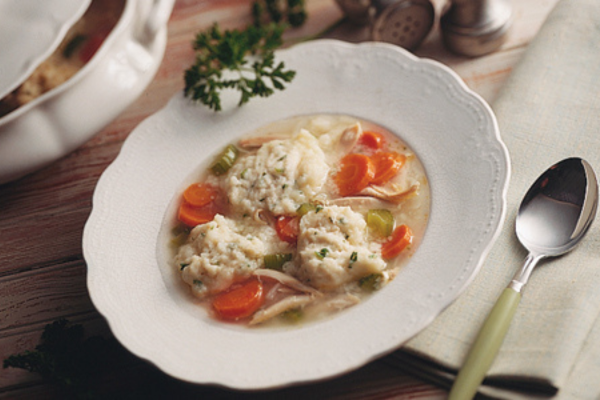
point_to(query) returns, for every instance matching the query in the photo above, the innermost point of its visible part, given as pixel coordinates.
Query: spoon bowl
(555, 214)
(552, 218)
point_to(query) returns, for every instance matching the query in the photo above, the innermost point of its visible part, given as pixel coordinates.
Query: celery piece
(293, 315)
(73, 45)
(305, 208)
(225, 160)
(380, 221)
(276, 261)
(371, 282)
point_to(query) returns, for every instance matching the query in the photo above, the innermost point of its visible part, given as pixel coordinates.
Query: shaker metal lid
(30, 30)
(404, 23)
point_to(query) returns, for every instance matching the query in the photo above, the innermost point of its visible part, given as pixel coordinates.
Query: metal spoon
(554, 215)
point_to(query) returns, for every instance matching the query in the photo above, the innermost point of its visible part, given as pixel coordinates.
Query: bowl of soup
(302, 235)
(299, 220)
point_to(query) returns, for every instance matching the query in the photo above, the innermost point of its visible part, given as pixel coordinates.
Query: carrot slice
(371, 139)
(91, 46)
(240, 301)
(200, 194)
(399, 240)
(355, 173)
(192, 216)
(387, 166)
(287, 228)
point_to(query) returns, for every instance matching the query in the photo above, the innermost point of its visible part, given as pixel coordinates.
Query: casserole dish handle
(157, 16)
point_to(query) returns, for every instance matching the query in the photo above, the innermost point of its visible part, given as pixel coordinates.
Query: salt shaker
(405, 23)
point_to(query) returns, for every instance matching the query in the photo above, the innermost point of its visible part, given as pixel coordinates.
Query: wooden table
(42, 270)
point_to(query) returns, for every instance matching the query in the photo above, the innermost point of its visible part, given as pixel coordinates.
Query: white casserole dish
(29, 32)
(62, 119)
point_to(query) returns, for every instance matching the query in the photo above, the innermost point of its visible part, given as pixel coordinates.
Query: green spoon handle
(486, 346)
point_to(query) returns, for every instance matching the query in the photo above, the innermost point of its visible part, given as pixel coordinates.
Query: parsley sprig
(243, 60)
(66, 357)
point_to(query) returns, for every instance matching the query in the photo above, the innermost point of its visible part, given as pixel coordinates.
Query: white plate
(450, 128)
(30, 30)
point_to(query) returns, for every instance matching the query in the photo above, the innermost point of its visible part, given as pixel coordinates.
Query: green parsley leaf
(353, 259)
(238, 60)
(322, 254)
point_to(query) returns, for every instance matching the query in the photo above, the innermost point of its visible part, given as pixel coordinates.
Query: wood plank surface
(42, 270)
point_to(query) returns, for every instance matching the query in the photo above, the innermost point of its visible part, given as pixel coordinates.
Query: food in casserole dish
(79, 45)
(301, 219)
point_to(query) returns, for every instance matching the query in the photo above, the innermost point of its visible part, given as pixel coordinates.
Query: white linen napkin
(548, 110)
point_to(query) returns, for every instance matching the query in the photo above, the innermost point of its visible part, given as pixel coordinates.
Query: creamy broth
(295, 218)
